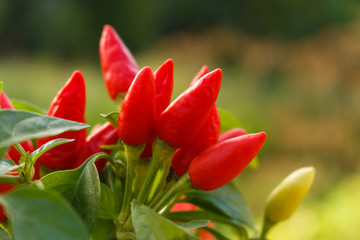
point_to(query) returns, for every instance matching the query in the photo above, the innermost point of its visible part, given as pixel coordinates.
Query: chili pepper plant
(157, 169)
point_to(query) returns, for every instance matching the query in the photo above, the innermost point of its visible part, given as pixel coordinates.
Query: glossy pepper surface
(219, 164)
(288, 195)
(207, 136)
(235, 132)
(117, 63)
(13, 153)
(69, 103)
(137, 115)
(183, 118)
(102, 135)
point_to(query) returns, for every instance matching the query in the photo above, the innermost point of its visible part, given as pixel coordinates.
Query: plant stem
(180, 187)
(161, 152)
(13, 180)
(20, 149)
(132, 155)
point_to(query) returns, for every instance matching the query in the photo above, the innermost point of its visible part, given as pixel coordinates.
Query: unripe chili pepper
(118, 65)
(207, 136)
(235, 132)
(219, 164)
(3, 189)
(13, 153)
(69, 103)
(287, 196)
(137, 115)
(183, 118)
(103, 135)
(204, 70)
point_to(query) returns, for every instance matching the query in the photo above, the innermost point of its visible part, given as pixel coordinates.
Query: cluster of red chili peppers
(180, 139)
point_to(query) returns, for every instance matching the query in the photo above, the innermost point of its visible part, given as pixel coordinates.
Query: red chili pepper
(164, 79)
(69, 103)
(204, 70)
(118, 65)
(137, 115)
(219, 164)
(235, 132)
(183, 206)
(183, 118)
(207, 136)
(3, 189)
(13, 153)
(102, 135)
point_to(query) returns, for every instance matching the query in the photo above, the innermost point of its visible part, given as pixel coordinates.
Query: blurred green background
(291, 68)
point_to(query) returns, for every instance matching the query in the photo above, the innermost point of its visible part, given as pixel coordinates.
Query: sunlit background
(291, 68)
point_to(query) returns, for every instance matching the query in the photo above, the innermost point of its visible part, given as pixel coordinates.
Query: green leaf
(103, 230)
(152, 226)
(3, 151)
(17, 126)
(4, 235)
(81, 186)
(23, 105)
(197, 223)
(225, 201)
(228, 121)
(47, 146)
(111, 118)
(109, 206)
(6, 166)
(42, 215)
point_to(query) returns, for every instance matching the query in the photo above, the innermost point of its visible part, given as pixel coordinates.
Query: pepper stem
(161, 152)
(132, 155)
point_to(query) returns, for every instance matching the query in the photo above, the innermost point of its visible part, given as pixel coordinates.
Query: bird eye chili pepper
(69, 103)
(163, 78)
(219, 164)
(183, 118)
(117, 63)
(13, 153)
(235, 132)
(137, 115)
(207, 136)
(204, 70)
(103, 135)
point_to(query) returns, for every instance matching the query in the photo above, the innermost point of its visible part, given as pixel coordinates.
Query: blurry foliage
(71, 29)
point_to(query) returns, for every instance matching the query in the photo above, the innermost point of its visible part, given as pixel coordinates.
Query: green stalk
(161, 152)
(180, 187)
(132, 155)
(13, 180)
(20, 149)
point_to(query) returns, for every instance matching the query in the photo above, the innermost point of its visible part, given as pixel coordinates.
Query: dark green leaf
(228, 121)
(17, 126)
(81, 186)
(197, 223)
(225, 201)
(112, 118)
(23, 105)
(3, 151)
(47, 146)
(103, 230)
(152, 226)
(42, 215)
(109, 207)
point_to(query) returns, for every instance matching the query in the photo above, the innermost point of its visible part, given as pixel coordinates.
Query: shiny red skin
(5, 103)
(183, 206)
(164, 81)
(136, 121)
(3, 189)
(204, 70)
(117, 63)
(207, 136)
(69, 103)
(219, 164)
(235, 132)
(103, 135)
(183, 118)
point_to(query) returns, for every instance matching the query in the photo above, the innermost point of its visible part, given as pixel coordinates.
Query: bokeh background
(291, 68)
